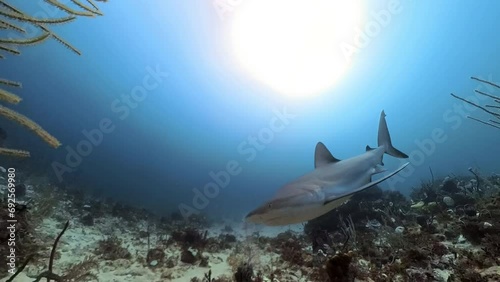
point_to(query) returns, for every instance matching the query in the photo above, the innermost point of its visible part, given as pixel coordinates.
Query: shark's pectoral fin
(368, 185)
(322, 156)
(338, 201)
(373, 183)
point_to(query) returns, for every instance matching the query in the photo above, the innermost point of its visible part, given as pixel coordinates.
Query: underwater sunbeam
(294, 46)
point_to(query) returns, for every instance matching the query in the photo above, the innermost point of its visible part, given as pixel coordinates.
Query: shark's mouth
(256, 218)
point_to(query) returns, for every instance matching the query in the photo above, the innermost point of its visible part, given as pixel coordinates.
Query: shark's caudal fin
(384, 139)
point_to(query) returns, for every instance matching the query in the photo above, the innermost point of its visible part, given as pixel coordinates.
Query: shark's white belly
(306, 213)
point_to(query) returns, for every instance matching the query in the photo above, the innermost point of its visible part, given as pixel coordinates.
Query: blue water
(197, 119)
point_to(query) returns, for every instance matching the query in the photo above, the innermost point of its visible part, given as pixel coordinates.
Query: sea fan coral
(490, 109)
(10, 17)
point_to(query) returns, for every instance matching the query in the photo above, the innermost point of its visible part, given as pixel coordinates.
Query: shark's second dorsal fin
(322, 156)
(368, 148)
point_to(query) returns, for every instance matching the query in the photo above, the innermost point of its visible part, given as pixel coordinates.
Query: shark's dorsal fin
(322, 156)
(368, 185)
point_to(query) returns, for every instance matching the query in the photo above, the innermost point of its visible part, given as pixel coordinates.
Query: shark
(331, 183)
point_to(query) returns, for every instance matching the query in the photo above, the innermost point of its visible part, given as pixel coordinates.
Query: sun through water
(293, 46)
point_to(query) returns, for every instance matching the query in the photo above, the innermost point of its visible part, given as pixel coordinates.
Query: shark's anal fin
(368, 185)
(322, 156)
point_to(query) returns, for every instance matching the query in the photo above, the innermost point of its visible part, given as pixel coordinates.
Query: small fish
(329, 185)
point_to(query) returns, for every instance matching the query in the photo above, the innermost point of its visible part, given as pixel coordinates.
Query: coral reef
(188, 257)
(337, 268)
(448, 230)
(111, 249)
(155, 257)
(244, 273)
(77, 272)
(25, 244)
(447, 218)
(291, 248)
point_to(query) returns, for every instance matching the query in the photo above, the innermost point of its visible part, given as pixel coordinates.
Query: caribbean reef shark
(329, 185)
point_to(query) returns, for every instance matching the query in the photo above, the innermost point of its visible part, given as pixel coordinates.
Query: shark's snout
(249, 215)
(254, 216)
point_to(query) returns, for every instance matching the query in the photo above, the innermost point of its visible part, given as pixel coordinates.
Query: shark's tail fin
(384, 139)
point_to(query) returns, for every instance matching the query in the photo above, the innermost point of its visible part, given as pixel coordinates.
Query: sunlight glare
(294, 45)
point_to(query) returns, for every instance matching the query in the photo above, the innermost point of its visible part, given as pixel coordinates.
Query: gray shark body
(329, 185)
